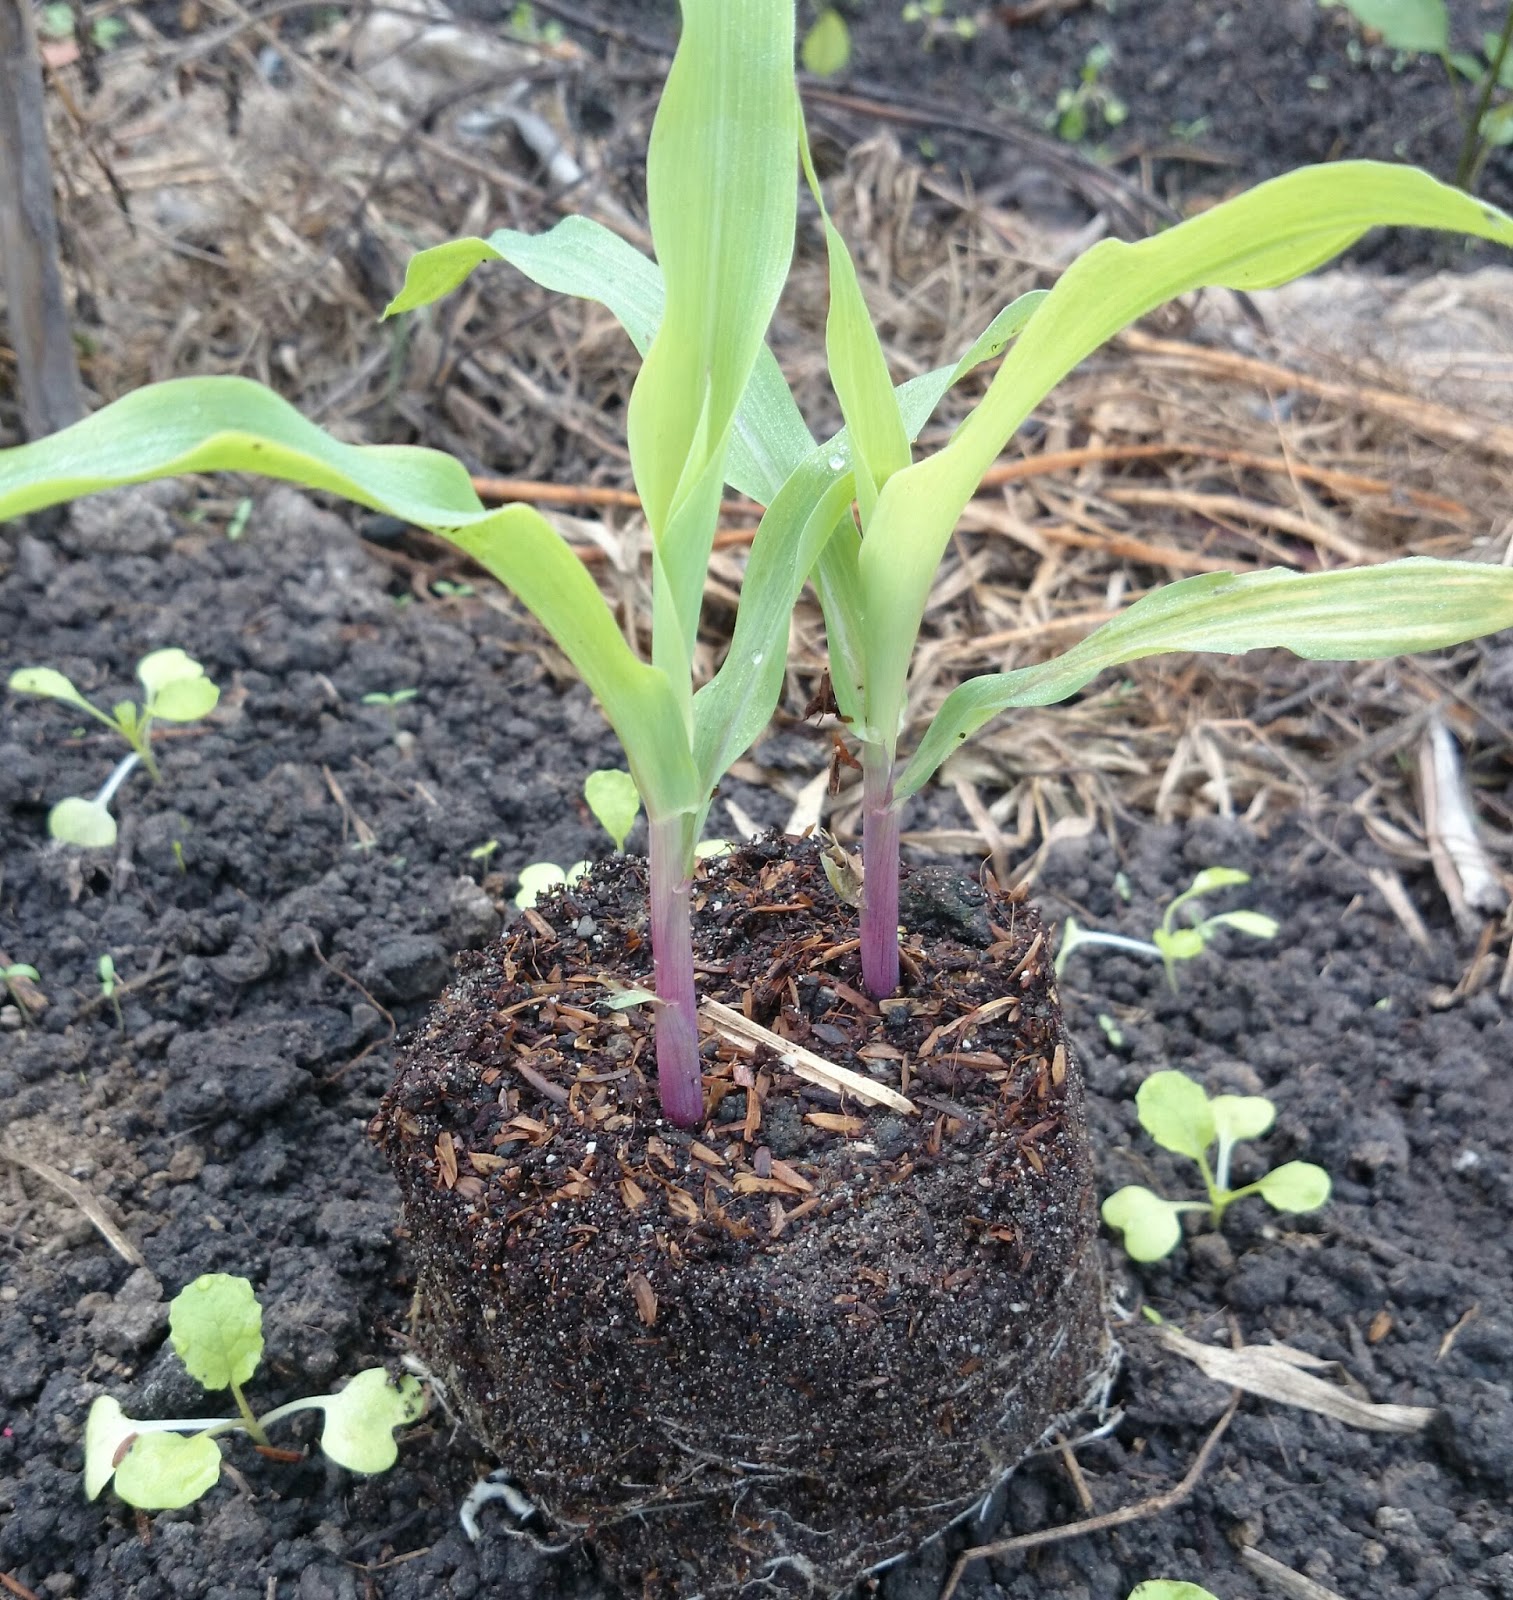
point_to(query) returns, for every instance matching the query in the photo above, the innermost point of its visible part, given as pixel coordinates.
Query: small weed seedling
(1422, 27)
(1169, 1589)
(1170, 943)
(1179, 1116)
(934, 20)
(106, 968)
(826, 49)
(216, 1326)
(176, 690)
(483, 853)
(541, 877)
(1089, 105)
(614, 800)
(11, 980)
(391, 702)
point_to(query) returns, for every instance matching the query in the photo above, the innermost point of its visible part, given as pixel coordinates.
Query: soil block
(785, 1347)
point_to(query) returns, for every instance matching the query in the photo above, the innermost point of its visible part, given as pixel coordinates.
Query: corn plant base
(797, 1342)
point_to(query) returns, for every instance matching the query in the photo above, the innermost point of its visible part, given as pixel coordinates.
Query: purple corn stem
(879, 874)
(679, 1084)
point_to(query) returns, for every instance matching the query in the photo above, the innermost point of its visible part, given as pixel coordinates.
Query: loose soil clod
(790, 1347)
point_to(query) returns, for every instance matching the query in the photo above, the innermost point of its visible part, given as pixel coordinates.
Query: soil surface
(305, 874)
(1214, 98)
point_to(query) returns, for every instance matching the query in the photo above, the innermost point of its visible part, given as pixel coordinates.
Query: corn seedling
(1170, 942)
(216, 1328)
(710, 407)
(1181, 1117)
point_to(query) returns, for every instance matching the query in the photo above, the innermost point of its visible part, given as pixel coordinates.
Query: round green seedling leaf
(1169, 1589)
(1150, 1225)
(614, 799)
(1212, 878)
(827, 45)
(1255, 923)
(106, 1432)
(44, 681)
(360, 1421)
(1178, 944)
(1295, 1186)
(1176, 1113)
(216, 1326)
(536, 880)
(1241, 1116)
(162, 1471)
(81, 822)
(156, 671)
(185, 700)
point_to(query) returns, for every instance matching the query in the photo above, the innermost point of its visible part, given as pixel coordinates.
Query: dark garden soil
(305, 873)
(1216, 97)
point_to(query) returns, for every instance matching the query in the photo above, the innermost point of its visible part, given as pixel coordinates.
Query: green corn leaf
(771, 444)
(231, 424)
(1421, 26)
(1151, 1226)
(360, 1421)
(722, 200)
(858, 367)
(733, 708)
(163, 1471)
(216, 1326)
(1295, 1186)
(1354, 614)
(1176, 1113)
(1267, 236)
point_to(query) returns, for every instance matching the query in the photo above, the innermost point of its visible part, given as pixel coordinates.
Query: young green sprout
(614, 800)
(106, 968)
(1181, 1117)
(1169, 1589)
(1422, 27)
(1168, 942)
(175, 689)
(216, 1327)
(13, 979)
(855, 512)
(390, 703)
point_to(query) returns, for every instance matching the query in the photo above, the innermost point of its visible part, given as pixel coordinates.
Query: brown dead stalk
(1167, 1500)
